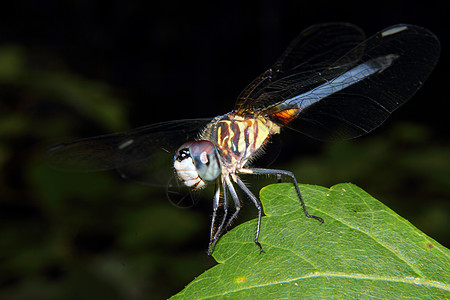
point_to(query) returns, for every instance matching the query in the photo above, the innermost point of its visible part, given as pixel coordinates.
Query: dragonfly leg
(216, 201)
(215, 234)
(237, 204)
(258, 206)
(279, 173)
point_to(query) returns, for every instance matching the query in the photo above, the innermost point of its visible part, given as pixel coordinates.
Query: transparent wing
(354, 99)
(312, 51)
(144, 154)
(355, 93)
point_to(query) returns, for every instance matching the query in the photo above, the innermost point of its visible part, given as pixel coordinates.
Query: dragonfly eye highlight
(206, 159)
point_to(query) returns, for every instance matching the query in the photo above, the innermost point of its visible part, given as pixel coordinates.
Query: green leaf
(363, 250)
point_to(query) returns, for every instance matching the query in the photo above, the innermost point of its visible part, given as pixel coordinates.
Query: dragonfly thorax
(197, 162)
(239, 138)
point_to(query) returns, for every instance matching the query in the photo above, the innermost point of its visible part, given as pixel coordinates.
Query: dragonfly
(330, 83)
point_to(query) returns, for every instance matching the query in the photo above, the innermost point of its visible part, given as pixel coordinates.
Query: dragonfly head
(197, 162)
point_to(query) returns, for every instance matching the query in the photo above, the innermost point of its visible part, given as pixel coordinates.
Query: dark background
(82, 68)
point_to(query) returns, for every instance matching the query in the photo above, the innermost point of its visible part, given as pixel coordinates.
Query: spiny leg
(215, 235)
(225, 213)
(227, 187)
(287, 173)
(237, 204)
(216, 200)
(258, 206)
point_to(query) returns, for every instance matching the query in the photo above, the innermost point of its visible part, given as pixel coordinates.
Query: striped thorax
(239, 138)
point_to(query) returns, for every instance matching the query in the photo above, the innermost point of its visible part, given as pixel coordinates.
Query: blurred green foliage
(79, 235)
(93, 236)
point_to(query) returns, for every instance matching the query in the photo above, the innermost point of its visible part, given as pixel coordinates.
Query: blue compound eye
(206, 159)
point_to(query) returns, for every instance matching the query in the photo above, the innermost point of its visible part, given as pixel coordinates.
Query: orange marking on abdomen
(285, 116)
